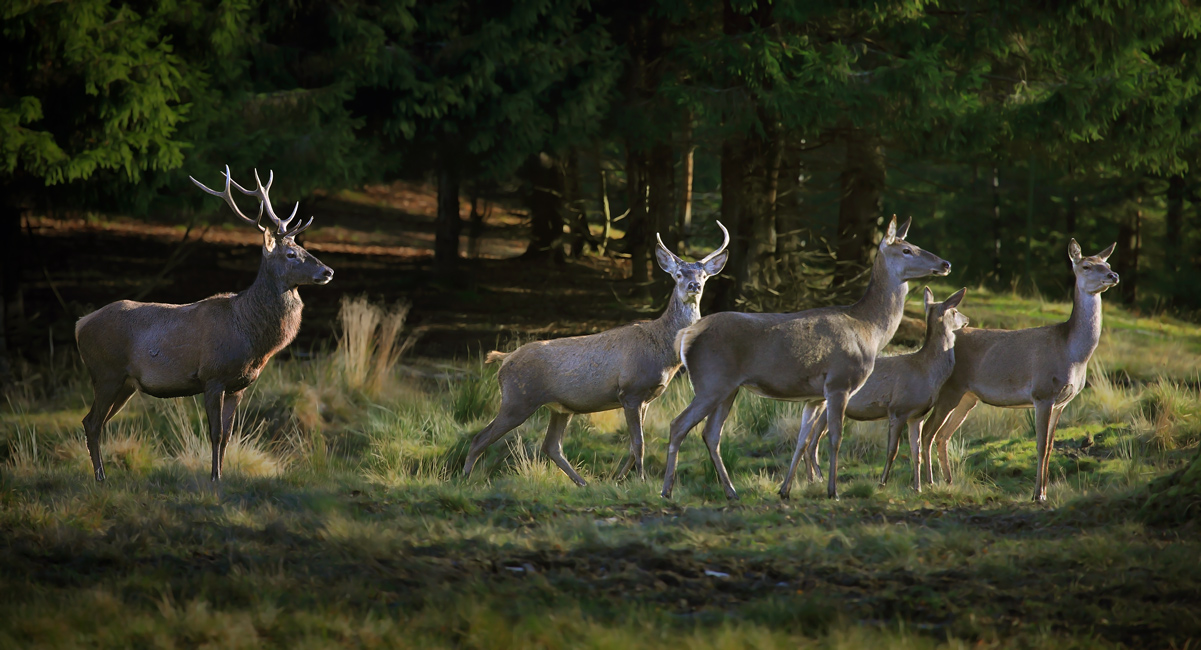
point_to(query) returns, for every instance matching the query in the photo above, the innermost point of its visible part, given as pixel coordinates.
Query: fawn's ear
(1074, 253)
(927, 299)
(955, 299)
(268, 241)
(1104, 255)
(890, 235)
(667, 260)
(903, 229)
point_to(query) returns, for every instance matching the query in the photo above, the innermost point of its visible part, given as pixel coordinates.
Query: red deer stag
(217, 346)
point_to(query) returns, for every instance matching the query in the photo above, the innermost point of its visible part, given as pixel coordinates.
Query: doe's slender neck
(883, 304)
(1084, 325)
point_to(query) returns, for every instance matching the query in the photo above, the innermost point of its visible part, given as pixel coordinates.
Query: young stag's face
(945, 314)
(1093, 274)
(905, 260)
(291, 264)
(690, 276)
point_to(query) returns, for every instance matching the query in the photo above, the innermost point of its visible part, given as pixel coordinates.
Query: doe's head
(1093, 274)
(944, 316)
(905, 260)
(690, 276)
(284, 259)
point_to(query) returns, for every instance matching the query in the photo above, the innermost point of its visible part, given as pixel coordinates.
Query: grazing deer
(217, 346)
(900, 388)
(1044, 367)
(627, 367)
(816, 354)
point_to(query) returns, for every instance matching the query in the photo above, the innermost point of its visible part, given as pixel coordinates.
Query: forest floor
(344, 519)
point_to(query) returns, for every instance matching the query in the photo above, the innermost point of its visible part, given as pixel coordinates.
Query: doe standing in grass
(217, 346)
(627, 367)
(1044, 367)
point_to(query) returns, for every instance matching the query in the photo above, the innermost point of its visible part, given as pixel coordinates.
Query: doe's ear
(1074, 253)
(268, 241)
(955, 299)
(903, 229)
(1104, 255)
(927, 298)
(890, 235)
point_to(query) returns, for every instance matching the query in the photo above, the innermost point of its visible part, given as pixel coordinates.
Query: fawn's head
(1093, 274)
(906, 261)
(944, 317)
(283, 259)
(690, 276)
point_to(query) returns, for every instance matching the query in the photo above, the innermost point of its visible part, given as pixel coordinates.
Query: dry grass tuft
(369, 344)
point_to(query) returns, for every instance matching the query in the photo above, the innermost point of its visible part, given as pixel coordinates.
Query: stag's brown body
(217, 346)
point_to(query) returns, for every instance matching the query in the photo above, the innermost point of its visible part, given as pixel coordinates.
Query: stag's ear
(716, 263)
(903, 229)
(927, 299)
(955, 299)
(1104, 255)
(890, 236)
(268, 241)
(667, 260)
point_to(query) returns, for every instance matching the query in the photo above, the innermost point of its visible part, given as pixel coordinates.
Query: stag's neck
(1084, 325)
(268, 313)
(883, 304)
(677, 316)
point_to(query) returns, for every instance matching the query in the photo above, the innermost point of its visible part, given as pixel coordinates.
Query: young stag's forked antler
(262, 193)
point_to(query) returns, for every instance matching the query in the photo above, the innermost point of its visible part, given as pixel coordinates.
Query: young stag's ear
(903, 229)
(1104, 255)
(955, 299)
(714, 262)
(890, 235)
(268, 241)
(667, 260)
(1074, 253)
(927, 299)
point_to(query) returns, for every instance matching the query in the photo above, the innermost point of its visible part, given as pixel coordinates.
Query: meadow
(344, 519)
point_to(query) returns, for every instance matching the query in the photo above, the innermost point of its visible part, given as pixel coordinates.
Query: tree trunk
(733, 170)
(545, 201)
(448, 223)
(1129, 243)
(996, 224)
(574, 205)
(11, 308)
(862, 182)
(1174, 224)
(788, 206)
(684, 227)
(636, 239)
(762, 185)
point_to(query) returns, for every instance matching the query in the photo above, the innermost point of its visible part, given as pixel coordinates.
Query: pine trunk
(636, 240)
(1173, 225)
(448, 223)
(545, 202)
(862, 183)
(733, 200)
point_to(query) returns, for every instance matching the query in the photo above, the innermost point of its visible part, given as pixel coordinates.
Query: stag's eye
(679, 275)
(1086, 267)
(291, 255)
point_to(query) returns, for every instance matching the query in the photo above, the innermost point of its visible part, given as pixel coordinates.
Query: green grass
(344, 521)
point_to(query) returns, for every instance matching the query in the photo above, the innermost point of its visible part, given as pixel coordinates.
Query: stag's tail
(496, 356)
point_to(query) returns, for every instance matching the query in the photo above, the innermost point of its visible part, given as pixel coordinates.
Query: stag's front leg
(836, 406)
(228, 410)
(214, 403)
(635, 414)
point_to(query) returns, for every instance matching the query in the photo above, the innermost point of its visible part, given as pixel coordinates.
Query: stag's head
(285, 260)
(690, 276)
(905, 260)
(944, 317)
(1093, 274)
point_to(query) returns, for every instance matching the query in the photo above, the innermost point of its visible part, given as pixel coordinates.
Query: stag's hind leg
(510, 417)
(110, 396)
(553, 445)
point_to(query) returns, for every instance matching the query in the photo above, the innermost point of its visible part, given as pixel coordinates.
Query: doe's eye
(908, 251)
(1086, 267)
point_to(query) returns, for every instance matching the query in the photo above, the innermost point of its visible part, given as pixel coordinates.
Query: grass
(344, 520)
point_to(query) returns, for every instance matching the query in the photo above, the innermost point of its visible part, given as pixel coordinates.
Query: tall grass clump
(369, 343)
(1171, 412)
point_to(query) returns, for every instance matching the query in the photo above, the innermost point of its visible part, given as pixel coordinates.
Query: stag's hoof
(732, 496)
(784, 496)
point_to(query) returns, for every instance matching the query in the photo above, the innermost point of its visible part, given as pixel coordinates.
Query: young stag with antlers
(217, 346)
(901, 388)
(811, 355)
(1044, 367)
(627, 367)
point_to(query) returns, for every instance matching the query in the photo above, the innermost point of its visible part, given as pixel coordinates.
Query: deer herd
(827, 358)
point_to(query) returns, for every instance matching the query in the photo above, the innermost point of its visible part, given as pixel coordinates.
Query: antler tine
(291, 234)
(662, 246)
(229, 198)
(263, 192)
(719, 248)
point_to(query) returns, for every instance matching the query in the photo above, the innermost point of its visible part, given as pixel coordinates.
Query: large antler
(707, 257)
(262, 193)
